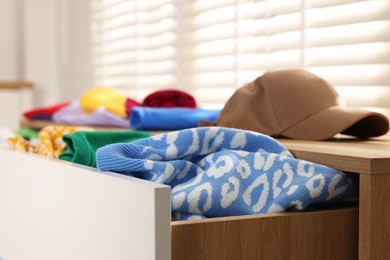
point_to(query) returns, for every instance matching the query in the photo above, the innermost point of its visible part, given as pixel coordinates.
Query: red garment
(169, 98)
(45, 111)
(130, 103)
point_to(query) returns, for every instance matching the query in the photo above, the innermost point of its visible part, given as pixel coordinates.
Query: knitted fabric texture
(216, 172)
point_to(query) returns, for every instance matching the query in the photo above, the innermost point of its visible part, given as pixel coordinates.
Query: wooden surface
(57, 210)
(371, 160)
(15, 84)
(374, 217)
(320, 235)
(346, 154)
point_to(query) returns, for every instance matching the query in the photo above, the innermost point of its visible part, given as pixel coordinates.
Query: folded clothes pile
(106, 107)
(169, 110)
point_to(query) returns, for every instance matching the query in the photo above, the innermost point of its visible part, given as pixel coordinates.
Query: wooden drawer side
(321, 235)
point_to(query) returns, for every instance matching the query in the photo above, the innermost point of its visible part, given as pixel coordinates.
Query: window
(210, 48)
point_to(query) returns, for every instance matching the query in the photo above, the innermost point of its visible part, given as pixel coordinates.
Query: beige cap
(300, 105)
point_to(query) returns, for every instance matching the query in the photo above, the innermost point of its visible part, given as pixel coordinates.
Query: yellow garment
(105, 97)
(50, 141)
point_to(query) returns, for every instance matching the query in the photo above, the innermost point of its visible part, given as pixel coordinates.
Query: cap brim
(338, 119)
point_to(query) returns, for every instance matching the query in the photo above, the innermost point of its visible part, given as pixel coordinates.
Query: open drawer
(357, 233)
(51, 209)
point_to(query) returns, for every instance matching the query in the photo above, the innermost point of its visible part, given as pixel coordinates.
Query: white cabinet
(15, 98)
(57, 210)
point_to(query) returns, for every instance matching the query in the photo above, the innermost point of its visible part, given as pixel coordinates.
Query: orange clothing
(50, 141)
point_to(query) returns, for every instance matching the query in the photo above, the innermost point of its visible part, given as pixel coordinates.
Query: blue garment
(215, 171)
(148, 118)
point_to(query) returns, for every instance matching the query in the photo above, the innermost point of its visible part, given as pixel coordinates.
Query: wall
(11, 40)
(46, 42)
(42, 48)
(76, 58)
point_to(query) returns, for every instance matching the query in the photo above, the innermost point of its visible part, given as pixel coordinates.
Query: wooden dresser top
(371, 156)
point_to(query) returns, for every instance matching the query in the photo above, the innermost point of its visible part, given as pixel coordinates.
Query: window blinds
(210, 48)
(135, 45)
(348, 43)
